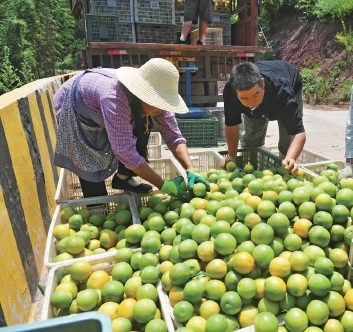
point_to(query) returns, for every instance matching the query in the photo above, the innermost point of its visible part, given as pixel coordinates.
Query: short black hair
(244, 76)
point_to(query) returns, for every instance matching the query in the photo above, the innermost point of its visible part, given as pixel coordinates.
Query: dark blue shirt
(282, 82)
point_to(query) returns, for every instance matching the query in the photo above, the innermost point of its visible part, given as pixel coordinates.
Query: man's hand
(226, 160)
(290, 165)
(175, 187)
(195, 177)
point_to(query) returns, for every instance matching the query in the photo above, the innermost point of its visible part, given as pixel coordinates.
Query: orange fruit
(347, 320)
(265, 209)
(307, 210)
(262, 234)
(193, 291)
(87, 299)
(319, 284)
(335, 303)
(208, 308)
(183, 311)
(275, 288)
(266, 305)
(196, 323)
(216, 269)
(329, 188)
(147, 291)
(112, 291)
(266, 322)
(126, 308)
(75, 245)
(199, 189)
(121, 272)
(313, 252)
(144, 310)
(225, 243)
(231, 303)
(279, 222)
(292, 242)
(301, 227)
(156, 324)
(216, 323)
(206, 251)
(339, 257)
(296, 320)
(247, 288)
(319, 235)
(340, 214)
(109, 308)
(247, 315)
(80, 270)
(280, 267)
(253, 201)
(344, 196)
(243, 262)
(176, 295)
(251, 220)
(333, 325)
(214, 289)
(324, 266)
(97, 279)
(324, 202)
(323, 218)
(242, 211)
(179, 274)
(121, 324)
(317, 312)
(288, 209)
(301, 195)
(297, 284)
(62, 298)
(263, 254)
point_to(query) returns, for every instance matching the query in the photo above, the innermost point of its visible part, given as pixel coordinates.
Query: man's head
(248, 84)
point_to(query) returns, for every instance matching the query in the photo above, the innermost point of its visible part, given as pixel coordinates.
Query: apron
(82, 143)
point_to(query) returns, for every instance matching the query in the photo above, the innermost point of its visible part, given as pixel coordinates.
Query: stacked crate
(111, 21)
(155, 21)
(223, 21)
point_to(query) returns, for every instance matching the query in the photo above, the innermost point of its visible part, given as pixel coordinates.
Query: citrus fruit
(263, 254)
(225, 243)
(121, 324)
(147, 291)
(275, 288)
(280, 267)
(214, 289)
(246, 288)
(247, 315)
(61, 298)
(183, 311)
(80, 270)
(87, 299)
(297, 284)
(150, 244)
(75, 245)
(266, 322)
(231, 303)
(279, 222)
(324, 266)
(296, 320)
(344, 196)
(196, 324)
(333, 325)
(216, 268)
(262, 234)
(216, 323)
(243, 262)
(335, 303)
(193, 291)
(317, 312)
(208, 308)
(110, 308)
(324, 202)
(292, 242)
(121, 271)
(313, 252)
(320, 236)
(206, 251)
(97, 279)
(112, 291)
(265, 209)
(150, 274)
(266, 305)
(156, 325)
(108, 238)
(179, 274)
(339, 257)
(319, 284)
(201, 233)
(144, 310)
(301, 227)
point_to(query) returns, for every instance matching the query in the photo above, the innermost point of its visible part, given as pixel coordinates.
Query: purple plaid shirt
(106, 96)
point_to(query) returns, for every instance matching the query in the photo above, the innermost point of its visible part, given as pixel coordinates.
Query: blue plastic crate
(84, 322)
(193, 113)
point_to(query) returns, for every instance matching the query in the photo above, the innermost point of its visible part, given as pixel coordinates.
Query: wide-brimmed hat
(156, 83)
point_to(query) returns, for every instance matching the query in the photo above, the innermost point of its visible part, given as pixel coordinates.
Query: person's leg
(254, 132)
(284, 138)
(190, 16)
(205, 16)
(92, 189)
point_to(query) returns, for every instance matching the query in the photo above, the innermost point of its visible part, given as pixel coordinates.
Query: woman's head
(155, 83)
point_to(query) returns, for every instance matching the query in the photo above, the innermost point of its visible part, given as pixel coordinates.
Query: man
(258, 93)
(195, 10)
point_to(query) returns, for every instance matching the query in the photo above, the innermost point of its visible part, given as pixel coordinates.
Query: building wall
(27, 186)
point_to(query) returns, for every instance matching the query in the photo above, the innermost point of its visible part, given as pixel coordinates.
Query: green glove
(195, 177)
(175, 187)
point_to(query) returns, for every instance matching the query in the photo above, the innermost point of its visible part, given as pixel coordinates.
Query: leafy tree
(9, 79)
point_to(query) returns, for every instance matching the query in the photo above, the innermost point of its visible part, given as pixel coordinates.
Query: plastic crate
(86, 321)
(213, 36)
(305, 156)
(124, 9)
(201, 132)
(127, 32)
(155, 138)
(321, 166)
(152, 33)
(106, 204)
(102, 28)
(222, 21)
(154, 11)
(69, 187)
(56, 274)
(154, 151)
(197, 88)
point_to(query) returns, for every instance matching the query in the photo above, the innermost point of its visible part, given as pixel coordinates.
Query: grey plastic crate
(102, 28)
(124, 9)
(154, 11)
(155, 33)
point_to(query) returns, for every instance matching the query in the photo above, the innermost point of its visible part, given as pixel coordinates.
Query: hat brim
(143, 90)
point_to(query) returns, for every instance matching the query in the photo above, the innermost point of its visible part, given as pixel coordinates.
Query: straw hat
(155, 83)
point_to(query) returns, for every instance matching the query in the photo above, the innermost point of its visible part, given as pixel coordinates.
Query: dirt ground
(305, 43)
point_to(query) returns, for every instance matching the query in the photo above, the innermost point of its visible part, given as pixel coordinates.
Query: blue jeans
(349, 130)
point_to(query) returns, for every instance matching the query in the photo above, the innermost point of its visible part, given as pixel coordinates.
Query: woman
(104, 121)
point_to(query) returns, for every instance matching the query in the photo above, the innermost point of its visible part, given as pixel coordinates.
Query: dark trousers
(92, 189)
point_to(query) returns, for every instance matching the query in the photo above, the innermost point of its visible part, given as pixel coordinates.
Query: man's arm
(181, 153)
(232, 139)
(294, 150)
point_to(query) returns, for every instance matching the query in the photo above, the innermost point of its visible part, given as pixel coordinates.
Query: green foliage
(9, 79)
(333, 10)
(306, 8)
(315, 87)
(345, 37)
(346, 90)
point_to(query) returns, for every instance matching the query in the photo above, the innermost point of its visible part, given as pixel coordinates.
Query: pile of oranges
(261, 244)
